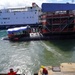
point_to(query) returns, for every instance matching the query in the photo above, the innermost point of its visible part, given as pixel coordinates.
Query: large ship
(14, 17)
(58, 20)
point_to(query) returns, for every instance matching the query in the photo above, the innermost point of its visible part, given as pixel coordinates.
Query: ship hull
(62, 35)
(2, 27)
(47, 37)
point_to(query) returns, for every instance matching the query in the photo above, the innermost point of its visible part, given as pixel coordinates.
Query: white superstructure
(20, 16)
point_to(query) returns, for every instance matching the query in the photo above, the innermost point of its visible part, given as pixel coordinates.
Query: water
(29, 56)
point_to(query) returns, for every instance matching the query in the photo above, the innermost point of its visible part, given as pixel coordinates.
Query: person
(12, 72)
(44, 72)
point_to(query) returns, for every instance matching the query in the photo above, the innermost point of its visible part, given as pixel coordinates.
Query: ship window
(4, 18)
(23, 31)
(30, 7)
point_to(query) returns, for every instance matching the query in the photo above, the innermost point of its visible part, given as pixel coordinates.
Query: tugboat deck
(63, 69)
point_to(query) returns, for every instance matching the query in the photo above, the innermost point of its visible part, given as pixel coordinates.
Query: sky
(23, 3)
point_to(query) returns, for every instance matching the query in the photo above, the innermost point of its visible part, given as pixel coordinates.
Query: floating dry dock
(63, 69)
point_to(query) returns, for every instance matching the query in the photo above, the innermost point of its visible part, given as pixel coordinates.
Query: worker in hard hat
(44, 72)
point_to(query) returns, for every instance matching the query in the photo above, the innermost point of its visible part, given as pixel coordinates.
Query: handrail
(68, 23)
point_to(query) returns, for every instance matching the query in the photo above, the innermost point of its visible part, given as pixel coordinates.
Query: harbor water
(29, 56)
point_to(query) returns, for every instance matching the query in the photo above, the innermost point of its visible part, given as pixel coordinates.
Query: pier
(62, 69)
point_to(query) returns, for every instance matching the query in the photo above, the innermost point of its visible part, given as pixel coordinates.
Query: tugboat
(18, 33)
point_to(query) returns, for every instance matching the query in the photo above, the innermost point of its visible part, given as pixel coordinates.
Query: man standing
(44, 72)
(12, 72)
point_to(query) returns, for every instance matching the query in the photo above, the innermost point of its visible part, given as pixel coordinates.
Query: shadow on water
(58, 51)
(64, 45)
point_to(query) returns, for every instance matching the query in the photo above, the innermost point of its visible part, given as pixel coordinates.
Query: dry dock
(63, 69)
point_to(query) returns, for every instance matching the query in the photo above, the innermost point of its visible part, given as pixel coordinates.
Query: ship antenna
(72, 1)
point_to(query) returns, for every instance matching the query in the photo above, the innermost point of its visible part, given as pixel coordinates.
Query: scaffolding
(58, 23)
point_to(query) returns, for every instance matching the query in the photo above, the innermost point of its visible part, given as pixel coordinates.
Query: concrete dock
(62, 69)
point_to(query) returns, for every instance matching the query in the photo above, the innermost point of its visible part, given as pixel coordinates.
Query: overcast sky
(22, 3)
